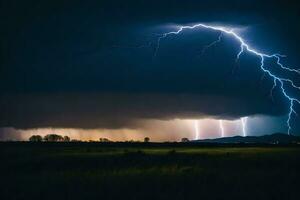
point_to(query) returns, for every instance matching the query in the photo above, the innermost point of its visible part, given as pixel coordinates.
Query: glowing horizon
(156, 130)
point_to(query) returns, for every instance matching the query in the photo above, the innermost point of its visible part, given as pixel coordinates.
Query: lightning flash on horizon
(222, 128)
(196, 126)
(280, 82)
(244, 125)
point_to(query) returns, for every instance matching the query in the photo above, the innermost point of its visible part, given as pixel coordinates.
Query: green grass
(95, 171)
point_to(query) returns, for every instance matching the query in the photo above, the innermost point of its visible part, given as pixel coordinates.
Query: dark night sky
(90, 64)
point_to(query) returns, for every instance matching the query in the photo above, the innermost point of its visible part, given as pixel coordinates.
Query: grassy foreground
(146, 171)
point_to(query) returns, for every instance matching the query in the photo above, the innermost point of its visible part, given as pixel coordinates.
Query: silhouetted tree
(53, 138)
(74, 140)
(36, 138)
(67, 139)
(185, 140)
(146, 139)
(104, 140)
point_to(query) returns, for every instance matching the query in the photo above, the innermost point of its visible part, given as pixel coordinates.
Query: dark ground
(148, 171)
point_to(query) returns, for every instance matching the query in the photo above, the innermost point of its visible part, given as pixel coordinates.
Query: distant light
(222, 128)
(244, 125)
(196, 126)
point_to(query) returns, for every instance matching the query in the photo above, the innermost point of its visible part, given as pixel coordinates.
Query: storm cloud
(92, 65)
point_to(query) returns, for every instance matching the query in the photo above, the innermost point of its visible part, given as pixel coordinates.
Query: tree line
(59, 138)
(49, 138)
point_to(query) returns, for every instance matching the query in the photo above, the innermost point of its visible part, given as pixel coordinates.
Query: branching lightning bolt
(212, 44)
(277, 81)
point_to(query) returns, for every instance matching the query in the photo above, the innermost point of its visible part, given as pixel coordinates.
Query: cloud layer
(92, 66)
(122, 110)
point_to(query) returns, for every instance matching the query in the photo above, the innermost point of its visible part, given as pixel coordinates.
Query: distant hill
(277, 138)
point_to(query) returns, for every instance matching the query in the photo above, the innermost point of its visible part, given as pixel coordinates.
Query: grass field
(148, 171)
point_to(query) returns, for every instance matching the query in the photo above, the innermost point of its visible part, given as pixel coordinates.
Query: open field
(148, 171)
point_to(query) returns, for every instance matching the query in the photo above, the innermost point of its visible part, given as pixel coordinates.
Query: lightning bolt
(196, 126)
(278, 81)
(212, 44)
(244, 125)
(222, 128)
